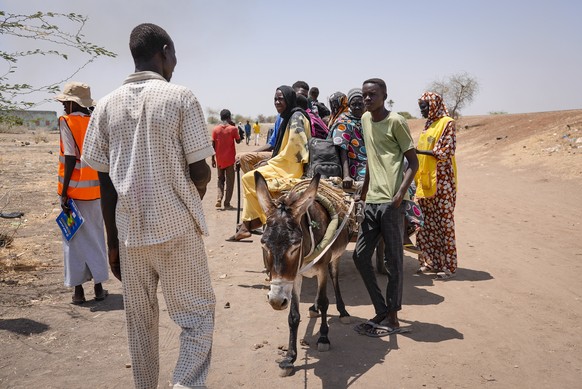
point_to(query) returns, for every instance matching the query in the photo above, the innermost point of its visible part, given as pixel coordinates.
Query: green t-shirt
(386, 142)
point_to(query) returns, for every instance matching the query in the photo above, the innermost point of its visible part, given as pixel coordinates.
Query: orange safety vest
(84, 183)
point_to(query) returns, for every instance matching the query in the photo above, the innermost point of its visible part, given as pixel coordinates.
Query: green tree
(59, 32)
(457, 90)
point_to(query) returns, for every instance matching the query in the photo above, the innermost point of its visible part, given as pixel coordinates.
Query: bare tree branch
(458, 90)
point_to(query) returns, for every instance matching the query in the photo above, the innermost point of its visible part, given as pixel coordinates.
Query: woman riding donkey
(289, 156)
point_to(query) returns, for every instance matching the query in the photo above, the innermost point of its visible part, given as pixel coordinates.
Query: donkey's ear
(263, 194)
(307, 197)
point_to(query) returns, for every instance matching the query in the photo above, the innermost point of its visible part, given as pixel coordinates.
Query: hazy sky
(526, 55)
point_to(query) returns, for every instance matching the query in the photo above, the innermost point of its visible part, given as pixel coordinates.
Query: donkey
(285, 241)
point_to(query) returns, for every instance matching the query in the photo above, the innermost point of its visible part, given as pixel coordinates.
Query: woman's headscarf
(291, 102)
(302, 102)
(338, 102)
(436, 107)
(354, 92)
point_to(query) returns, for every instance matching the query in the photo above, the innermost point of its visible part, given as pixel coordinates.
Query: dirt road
(511, 318)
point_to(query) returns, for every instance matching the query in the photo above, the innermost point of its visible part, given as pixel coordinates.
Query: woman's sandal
(78, 301)
(102, 296)
(426, 270)
(445, 275)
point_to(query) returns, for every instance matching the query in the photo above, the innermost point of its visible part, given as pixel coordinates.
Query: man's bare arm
(108, 205)
(200, 175)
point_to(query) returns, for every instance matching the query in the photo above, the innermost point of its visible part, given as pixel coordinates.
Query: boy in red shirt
(223, 137)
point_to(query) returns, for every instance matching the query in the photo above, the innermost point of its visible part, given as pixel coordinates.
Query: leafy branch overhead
(60, 33)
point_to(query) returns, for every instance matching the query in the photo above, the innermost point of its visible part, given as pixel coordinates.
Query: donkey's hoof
(285, 371)
(346, 319)
(286, 366)
(323, 344)
(313, 312)
(323, 347)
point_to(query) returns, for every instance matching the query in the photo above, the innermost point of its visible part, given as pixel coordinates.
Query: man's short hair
(379, 82)
(224, 114)
(314, 91)
(300, 84)
(146, 40)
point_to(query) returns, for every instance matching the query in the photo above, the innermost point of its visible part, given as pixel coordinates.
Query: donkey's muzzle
(279, 295)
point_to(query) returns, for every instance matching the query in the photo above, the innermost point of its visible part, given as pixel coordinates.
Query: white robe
(85, 254)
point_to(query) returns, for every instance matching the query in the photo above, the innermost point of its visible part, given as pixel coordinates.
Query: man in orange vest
(85, 254)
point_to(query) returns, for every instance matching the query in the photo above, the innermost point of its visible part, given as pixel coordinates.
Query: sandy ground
(511, 318)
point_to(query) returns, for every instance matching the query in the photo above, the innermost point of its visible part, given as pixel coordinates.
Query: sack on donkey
(323, 159)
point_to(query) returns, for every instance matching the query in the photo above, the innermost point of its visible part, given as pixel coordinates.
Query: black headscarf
(291, 101)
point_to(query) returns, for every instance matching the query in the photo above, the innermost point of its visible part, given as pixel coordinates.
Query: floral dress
(436, 239)
(347, 134)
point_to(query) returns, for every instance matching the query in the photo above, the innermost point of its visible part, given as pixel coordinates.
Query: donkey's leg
(294, 318)
(323, 304)
(339, 301)
(314, 309)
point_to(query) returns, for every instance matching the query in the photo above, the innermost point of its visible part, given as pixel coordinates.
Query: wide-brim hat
(78, 92)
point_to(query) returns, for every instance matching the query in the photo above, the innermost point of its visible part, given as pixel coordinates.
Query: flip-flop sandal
(363, 328)
(379, 331)
(256, 231)
(244, 240)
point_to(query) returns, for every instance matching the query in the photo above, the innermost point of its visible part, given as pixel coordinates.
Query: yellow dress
(287, 164)
(426, 176)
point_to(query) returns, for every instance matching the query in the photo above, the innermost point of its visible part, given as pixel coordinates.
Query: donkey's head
(282, 239)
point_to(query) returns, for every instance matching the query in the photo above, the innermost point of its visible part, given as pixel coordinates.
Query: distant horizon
(413, 118)
(234, 55)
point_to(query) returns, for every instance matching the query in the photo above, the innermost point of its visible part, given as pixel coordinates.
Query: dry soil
(511, 318)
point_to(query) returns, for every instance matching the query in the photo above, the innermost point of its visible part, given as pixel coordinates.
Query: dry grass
(4, 129)
(41, 136)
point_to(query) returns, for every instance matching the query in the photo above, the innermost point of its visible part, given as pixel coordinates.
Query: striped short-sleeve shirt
(145, 134)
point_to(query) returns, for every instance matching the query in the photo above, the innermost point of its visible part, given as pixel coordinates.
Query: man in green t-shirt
(388, 141)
